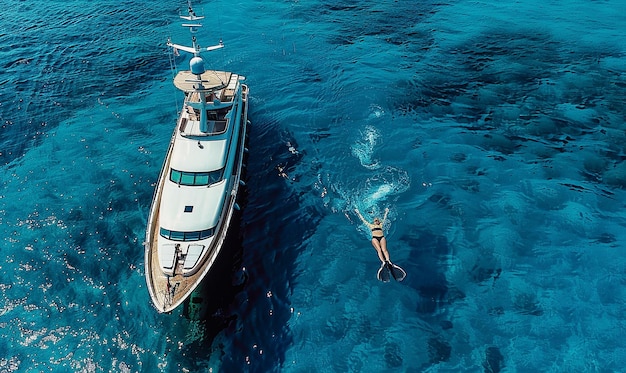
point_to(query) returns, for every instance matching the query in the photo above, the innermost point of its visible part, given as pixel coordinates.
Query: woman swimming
(378, 236)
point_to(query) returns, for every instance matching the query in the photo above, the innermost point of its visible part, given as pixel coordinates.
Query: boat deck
(170, 291)
(166, 289)
(211, 80)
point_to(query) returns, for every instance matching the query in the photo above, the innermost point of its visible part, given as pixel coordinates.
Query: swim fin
(398, 273)
(384, 274)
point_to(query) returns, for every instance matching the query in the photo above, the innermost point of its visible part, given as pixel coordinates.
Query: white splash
(364, 148)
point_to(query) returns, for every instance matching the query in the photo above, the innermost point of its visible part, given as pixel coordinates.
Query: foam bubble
(364, 148)
(388, 182)
(376, 111)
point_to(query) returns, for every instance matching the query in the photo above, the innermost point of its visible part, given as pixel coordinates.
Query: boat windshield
(196, 178)
(187, 236)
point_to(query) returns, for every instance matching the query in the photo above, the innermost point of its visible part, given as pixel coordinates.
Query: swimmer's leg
(383, 249)
(378, 248)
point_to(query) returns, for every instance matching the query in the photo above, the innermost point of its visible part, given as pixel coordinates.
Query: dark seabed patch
(494, 361)
(427, 253)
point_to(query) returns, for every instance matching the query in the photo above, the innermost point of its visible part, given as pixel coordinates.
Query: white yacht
(197, 188)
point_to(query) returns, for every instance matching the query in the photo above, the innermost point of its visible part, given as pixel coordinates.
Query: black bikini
(379, 238)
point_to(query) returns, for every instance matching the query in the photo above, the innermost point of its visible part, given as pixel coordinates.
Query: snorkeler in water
(380, 244)
(378, 236)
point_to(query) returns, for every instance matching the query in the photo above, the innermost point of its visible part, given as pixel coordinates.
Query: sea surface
(494, 131)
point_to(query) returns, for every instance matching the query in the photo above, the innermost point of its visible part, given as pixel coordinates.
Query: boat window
(207, 233)
(192, 236)
(217, 126)
(196, 178)
(175, 176)
(202, 179)
(216, 176)
(188, 178)
(187, 236)
(177, 236)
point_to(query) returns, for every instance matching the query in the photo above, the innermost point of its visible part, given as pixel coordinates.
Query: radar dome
(196, 65)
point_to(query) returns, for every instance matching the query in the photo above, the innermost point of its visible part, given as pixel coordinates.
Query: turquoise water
(494, 132)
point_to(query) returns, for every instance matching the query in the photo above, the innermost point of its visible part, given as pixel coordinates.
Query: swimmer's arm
(385, 217)
(361, 217)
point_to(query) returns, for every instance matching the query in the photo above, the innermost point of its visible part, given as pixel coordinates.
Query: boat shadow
(209, 310)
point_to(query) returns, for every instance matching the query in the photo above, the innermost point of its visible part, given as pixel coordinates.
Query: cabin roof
(211, 80)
